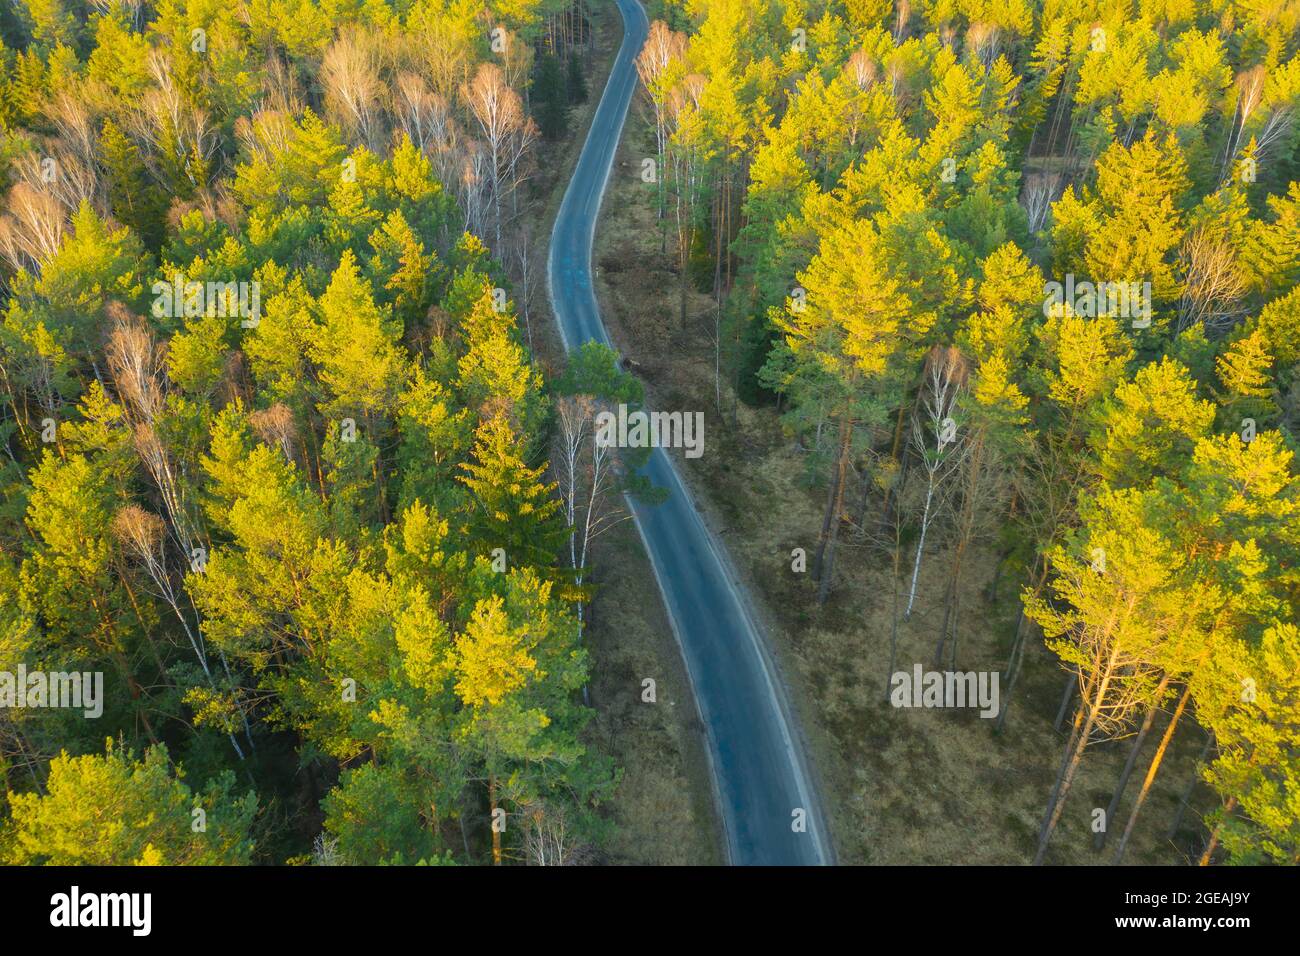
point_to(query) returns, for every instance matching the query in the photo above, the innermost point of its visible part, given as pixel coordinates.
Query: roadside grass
(900, 786)
(664, 805)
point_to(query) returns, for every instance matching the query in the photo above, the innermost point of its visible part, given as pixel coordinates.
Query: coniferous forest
(989, 309)
(309, 539)
(1018, 278)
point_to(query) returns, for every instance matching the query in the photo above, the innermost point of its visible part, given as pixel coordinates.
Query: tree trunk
(1012, 671)
(1016, 659)
(1151, 773)
(1213, 842)
(1051, 814)
(1093, 707)
(828, 518)
(1191, 785)
(920, 548)
(684, 241)
(893, 625)
(1099, 840)
(1068, 696)
(899, 454)
(825, 562)
(966, 525)
(496, 834)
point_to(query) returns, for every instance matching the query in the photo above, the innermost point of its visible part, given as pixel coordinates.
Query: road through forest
(760, 773)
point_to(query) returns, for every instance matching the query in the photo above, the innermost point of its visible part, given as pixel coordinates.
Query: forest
(1019, 278)
(275, 444)
(288, 460)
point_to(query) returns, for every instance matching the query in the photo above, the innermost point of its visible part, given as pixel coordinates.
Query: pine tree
(117, 810)
(512, 510)
(551, 98)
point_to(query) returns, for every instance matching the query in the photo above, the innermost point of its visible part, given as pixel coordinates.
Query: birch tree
(937, 441)
(662, 50)
(507, 133)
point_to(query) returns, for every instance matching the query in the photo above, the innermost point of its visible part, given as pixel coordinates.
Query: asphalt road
(761, 781)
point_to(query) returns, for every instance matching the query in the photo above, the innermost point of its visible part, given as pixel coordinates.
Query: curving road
(760, 774)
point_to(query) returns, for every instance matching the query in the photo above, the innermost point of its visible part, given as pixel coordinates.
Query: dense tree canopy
(276, 447)
(1056, 243)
